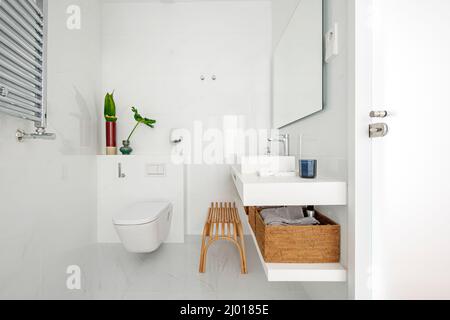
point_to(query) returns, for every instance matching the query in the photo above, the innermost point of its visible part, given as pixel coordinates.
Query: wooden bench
(223, 223)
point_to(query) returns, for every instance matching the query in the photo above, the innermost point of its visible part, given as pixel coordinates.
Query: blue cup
(308, 169)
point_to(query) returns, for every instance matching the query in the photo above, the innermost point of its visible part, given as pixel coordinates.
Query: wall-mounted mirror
(297, 69)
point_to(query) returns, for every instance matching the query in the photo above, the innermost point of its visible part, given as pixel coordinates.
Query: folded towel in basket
(287, 216)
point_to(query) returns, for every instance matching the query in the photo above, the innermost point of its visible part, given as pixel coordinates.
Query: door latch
(378, 130)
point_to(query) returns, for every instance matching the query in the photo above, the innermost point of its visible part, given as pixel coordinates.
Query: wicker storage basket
(297, 244)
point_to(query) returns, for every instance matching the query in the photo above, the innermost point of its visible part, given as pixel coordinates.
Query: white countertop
(254, 178)
(288, 191)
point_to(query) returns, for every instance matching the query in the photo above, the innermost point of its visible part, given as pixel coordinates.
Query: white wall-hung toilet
(143, 227)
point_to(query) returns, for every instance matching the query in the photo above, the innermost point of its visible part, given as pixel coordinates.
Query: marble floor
(172, 273)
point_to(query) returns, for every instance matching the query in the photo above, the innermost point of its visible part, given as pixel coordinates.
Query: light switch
(332, 43)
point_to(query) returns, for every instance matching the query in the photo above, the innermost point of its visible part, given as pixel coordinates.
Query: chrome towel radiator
(23, 29)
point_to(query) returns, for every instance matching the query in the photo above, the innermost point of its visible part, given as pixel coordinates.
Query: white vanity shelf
(292, 191)
(300, 272)
(288, 191)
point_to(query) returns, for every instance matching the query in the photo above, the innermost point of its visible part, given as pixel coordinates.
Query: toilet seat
(142, 213)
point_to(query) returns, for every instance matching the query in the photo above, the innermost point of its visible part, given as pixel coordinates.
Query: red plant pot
(111, 133)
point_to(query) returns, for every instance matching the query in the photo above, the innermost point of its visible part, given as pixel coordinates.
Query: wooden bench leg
(214, 230)
(203, 253)
(242, 248)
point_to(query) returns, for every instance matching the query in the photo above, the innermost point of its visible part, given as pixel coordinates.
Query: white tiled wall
(153, 57)
(48, 188)
(323, 136)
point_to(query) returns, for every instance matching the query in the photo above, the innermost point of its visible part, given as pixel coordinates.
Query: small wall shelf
(298, 272)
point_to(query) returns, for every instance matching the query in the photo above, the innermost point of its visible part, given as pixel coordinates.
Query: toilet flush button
(156, 170)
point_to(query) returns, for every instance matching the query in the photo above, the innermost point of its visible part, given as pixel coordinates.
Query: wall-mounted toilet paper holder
(177, 141)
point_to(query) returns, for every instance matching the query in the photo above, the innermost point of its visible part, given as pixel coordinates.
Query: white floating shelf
(299, 272)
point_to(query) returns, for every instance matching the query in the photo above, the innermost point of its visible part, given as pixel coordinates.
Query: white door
(411, 165)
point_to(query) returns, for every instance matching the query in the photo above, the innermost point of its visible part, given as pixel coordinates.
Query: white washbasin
(255, 190)
(268, 164)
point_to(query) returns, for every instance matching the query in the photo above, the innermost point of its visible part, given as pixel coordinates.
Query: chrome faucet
(283, 138)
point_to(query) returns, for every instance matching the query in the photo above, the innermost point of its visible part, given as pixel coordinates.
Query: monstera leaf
(140, 120)
(148, 122)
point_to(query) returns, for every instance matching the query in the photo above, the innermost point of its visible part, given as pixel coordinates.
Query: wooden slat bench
(223, 223)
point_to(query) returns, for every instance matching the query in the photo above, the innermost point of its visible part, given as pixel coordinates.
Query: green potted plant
(126, 149)
(111, 124)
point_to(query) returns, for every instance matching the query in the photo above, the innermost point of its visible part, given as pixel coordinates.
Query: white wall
(153, 56)
(323, 136)
(47, 188)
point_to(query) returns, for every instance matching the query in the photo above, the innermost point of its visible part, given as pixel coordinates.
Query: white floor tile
(172, 273)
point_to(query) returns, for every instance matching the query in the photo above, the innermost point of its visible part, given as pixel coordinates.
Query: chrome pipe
(32, 13)
(15, 103)
(20, 94)
(43, 97)
(23, 50)
(20, 63)
(36, 44)
(32, 22)
(11, 107)
(18, 114)
(25, 86)
(23, 76)
(35, 7)
(23, 100)
(39, 135)
(16, 54)
(35, 33)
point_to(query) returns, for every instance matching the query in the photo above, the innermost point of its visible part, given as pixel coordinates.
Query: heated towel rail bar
(23, 31)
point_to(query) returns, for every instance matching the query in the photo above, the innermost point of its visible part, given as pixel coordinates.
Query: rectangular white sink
(269, 164)
(288, 191)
